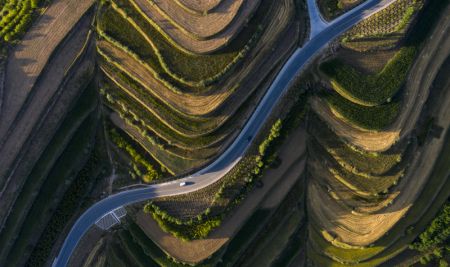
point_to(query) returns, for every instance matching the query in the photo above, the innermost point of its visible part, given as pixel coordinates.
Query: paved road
(233, 154)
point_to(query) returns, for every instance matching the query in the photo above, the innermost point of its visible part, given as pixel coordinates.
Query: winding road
(321, 36)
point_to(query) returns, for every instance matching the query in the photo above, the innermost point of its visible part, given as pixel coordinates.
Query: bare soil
(202, 26)
(30, 56)
(367, 62)
(219, 28)
(46, 89)
(199, 5)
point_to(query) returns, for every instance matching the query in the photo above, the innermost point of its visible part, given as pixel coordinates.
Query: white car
(183, 184)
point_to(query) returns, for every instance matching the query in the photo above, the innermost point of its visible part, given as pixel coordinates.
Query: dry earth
(199, 26)
(45, 89)
(199, 5)
(29, 57)
(45, 126)
(193, 44)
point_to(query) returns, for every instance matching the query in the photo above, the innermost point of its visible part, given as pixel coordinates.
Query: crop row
(352, 158)
(180, 123)
(191, 70)
(16, 17)
(371, 118)
(394, 18)
(148, 172)
(71, 201)
(374, 89)
(129, 107)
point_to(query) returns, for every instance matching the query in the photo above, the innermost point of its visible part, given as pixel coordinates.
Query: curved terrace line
(221, 166)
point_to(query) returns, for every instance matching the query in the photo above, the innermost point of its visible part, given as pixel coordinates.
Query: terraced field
(107, 102)
(372, 168)
(188, 103)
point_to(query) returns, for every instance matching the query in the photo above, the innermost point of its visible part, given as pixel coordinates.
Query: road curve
(216, 170)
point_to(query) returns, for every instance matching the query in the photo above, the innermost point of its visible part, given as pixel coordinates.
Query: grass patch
(366, 185)
(394, 18)
(182, 123)
(371, 118)
(370, 90)
(125, 105)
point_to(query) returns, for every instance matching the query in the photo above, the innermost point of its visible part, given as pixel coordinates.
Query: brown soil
(29, 57)
(199, 5)
(200, 26)
(35, 130)
(367, 62)
(43, 92)
(219, 27)
(195, 251)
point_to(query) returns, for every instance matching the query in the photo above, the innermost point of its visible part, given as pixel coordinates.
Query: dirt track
(224, 27)
(29, 57)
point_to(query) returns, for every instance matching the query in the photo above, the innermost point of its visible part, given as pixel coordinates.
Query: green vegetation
(372, 118)
(331, 9)
(352, 158)
(237, 183)
(435, 238)
(394, 18)
(138, 160)
(404, 232)
(366, 185)
(180, 122)
(149, 247)
(370, 90)
(126, 24)
(249, 170)
(137, 114)
(16, 17)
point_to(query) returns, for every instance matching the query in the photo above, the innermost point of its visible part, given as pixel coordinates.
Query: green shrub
(370, 90)
(137, 159)
(16, 17)
(372, 118)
